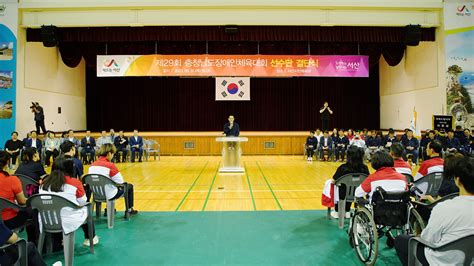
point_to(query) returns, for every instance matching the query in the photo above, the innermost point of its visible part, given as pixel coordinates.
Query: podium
(231, 153)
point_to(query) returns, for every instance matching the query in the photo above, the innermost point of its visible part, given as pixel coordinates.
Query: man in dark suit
(231, 129)
(88, 147)
(325, 144)
(121, 143)
(34, 142)
(136, 144)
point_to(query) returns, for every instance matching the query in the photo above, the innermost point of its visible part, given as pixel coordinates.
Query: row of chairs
(392, 212)
(49, 208)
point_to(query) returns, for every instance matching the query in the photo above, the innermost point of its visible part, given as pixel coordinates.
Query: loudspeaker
(49, 36)
(412, 35)
(231, 30)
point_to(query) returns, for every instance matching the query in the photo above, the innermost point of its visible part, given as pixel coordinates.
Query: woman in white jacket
(60, 183)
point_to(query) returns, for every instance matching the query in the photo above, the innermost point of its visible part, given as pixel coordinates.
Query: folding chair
(152, 146)
(98, 184)
(49, 208)
(464, 245)
(22, 252)
(351, 182)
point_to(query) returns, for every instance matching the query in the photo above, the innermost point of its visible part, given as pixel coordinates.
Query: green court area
(222, 238)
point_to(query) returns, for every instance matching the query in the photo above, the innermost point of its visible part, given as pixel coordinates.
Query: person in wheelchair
(449, 221)
(385, 176)
(387, 208)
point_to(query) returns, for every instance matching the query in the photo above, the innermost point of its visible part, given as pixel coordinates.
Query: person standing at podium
(231, 129)
(325, 112)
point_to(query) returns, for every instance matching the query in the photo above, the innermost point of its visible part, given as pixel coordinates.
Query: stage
(204, 143)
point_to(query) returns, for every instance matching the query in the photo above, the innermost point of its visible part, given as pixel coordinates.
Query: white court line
(224, 191)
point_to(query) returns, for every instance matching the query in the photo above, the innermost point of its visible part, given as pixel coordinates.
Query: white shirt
(33, 143)
(449, 220)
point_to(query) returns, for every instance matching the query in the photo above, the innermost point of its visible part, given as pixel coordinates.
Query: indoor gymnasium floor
(192, 215)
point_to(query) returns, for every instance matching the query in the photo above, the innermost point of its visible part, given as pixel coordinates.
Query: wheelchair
(388, 214)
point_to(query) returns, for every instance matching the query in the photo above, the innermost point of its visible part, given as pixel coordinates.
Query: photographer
(39, 117)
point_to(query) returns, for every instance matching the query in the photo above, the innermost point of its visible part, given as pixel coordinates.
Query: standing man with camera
(39, 117)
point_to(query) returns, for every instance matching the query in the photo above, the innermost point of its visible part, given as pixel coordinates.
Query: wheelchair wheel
(415, 223)
(365, 236)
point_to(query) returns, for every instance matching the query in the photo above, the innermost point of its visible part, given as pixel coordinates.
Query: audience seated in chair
(341, 144)
(13, 146)
(9, 255)
(449, 221)
(12, 190)
(427, 138)
(325, 146)
(389, 140)
(435, 163)
(88, 148)
(60, 182)
(31, 165)
(121, 144)
(385, 176)
(451, 144)
(359, 142)
(400, 165)
(448, 186)
(373, 143)
(136, 145)
(104, 166)
(411, 145)
(69, 151)
(103, 139)
(34, 142)
(355, 164)
(51, 145)
(311, 145)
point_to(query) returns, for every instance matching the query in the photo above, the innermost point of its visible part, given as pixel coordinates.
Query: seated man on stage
(231, 129)
(311, 145)
(325, 144)
(136, 144)
(121, 143)
(88, 147)
(411, 145)
(342, 142)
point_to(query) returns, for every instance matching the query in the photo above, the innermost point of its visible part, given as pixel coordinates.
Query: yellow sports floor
(193, 183)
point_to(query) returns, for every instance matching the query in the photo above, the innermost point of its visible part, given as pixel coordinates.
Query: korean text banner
(233, 65)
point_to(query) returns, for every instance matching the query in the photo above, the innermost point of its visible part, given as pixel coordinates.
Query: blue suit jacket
(134, 142)
(39, 145)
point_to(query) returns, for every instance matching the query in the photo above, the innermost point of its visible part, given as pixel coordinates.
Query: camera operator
(39, 117)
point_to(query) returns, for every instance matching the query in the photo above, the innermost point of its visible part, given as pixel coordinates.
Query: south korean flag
(232, 89)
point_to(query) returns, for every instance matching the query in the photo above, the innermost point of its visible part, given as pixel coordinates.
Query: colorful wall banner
(233, 65)
(459, 43)
(8, 50)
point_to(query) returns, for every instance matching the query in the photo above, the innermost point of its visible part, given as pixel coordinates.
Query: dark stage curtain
(187, 104)
(246, 33)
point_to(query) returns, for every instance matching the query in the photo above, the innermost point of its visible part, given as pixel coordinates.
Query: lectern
(231, 153)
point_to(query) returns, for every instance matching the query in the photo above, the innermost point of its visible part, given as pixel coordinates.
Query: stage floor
(192, 183)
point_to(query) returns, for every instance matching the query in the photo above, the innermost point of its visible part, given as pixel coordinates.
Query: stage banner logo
(459, 40)
(8, 51)
(233, 89)
(233, 65)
